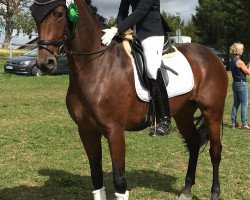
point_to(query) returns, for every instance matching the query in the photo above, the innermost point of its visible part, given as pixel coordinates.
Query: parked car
(26, 64)
(221, 54)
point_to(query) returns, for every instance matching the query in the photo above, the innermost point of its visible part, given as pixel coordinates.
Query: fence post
(10, 51)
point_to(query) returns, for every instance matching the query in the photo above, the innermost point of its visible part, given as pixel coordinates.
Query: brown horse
(102, 100)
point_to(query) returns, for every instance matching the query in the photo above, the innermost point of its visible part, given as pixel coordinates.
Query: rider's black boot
(160, 97)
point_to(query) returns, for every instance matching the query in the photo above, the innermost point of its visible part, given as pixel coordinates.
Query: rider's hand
(108, 36)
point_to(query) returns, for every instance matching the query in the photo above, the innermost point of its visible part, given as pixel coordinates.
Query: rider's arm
(123, 11)
(139, 13)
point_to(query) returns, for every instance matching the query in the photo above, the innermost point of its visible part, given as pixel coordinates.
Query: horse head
(60, 32)
(51, 20)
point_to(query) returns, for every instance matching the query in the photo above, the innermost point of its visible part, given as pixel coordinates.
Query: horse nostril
(51, 63)
(47, 65)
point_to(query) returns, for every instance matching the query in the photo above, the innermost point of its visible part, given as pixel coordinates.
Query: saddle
(140, 60)
(135, 50)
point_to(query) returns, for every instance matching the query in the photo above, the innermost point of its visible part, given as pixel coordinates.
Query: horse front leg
(92, 144)
(116, 141)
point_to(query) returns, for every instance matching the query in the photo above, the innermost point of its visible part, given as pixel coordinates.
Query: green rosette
(73, 13)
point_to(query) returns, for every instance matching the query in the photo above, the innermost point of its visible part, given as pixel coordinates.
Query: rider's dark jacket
(145, 15)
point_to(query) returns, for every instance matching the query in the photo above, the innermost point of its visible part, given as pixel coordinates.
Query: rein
(86, 53)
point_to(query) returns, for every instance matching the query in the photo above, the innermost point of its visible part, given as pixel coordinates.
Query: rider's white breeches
(153, 47)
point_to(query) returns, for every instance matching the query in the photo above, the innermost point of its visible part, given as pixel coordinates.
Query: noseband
(42, 44)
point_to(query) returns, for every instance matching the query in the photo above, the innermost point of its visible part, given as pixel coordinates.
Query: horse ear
(68, 2)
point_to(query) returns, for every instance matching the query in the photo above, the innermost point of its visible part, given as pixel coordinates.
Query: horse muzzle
(46, 64)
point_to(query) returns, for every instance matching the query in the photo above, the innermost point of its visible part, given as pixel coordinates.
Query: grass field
(42, 157)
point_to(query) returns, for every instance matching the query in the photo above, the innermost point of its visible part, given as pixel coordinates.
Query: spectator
(240, 88)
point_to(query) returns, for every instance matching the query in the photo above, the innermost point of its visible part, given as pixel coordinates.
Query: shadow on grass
(63, 185)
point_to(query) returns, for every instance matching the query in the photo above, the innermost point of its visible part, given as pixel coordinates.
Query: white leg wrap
(122, 196)
(99, 194)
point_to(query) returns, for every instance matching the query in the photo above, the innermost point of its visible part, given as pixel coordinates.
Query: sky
(185, 8)
(109, 8)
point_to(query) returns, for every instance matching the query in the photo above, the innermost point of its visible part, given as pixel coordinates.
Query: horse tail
(202, 130)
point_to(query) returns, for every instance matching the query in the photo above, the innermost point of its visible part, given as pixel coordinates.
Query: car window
(216, 50)
(32, 53)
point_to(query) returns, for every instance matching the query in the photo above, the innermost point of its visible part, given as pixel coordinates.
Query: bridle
(61, 44)
(42, 44)
(63, 51)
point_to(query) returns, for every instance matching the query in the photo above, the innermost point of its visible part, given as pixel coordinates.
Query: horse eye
(59, 15)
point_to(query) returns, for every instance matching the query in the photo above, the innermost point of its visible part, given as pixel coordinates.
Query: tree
(238, 24)
(15, 15)
(223, 22)
(210, 21)
(174, 22)
(94, 9)
(111, 21)
(190, 30)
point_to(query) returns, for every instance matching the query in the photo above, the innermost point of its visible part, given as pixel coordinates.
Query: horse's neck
(88, 34)
(87, 39)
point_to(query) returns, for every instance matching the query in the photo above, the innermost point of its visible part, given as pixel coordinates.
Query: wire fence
(18, 48)
(15, 49)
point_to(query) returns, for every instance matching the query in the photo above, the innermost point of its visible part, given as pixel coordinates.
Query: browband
(43, 3)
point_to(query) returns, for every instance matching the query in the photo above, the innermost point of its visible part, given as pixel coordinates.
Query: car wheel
(35, 71)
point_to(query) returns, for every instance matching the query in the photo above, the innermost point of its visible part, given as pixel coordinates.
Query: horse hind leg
(214, 120)
(185, 123)
(212, 109)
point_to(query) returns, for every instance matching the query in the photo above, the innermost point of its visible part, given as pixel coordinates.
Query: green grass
(42, 156)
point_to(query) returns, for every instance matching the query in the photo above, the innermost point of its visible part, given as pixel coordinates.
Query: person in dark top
(240, 88)
(150, 28)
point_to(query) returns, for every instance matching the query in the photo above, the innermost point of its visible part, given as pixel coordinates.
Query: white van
(179, 40)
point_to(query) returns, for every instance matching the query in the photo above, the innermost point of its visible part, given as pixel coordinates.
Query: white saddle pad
(178, 84)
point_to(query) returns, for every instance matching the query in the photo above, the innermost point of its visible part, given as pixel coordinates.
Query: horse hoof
(214, 197)
(184, 196)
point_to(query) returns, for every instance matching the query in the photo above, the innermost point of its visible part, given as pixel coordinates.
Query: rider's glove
(108, 36)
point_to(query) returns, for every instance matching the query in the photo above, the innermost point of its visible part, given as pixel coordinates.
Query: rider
(150, 28)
